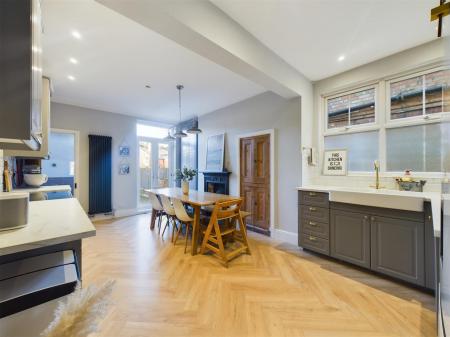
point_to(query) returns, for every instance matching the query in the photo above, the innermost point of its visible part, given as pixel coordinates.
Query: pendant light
(194, 128)
(169, 137)
(179, 133)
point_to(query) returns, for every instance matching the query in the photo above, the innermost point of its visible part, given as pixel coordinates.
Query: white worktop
(44, 189)
(433, 197)
(50, 222)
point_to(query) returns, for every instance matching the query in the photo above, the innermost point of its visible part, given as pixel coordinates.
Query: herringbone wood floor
(277, 291)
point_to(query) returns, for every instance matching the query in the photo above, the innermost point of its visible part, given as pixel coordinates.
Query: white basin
(380, 198)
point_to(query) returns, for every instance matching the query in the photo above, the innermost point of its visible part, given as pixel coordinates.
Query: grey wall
(122, 129)
(261, 112)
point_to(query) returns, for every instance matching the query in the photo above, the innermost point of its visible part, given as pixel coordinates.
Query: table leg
(195, 230)
(153, 219)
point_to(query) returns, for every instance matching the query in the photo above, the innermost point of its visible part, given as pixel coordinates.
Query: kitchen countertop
(44, 189)
(50, 222)
(434, 198)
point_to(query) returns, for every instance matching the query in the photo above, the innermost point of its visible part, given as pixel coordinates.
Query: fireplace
(216, 182)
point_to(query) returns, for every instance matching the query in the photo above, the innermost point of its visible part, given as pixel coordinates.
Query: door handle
(312, 238)
(312, 194)
(312, 209)
(312, 223)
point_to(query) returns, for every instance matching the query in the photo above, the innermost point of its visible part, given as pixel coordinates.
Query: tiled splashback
(432, 184)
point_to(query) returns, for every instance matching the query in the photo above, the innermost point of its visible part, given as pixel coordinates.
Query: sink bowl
(380, 198)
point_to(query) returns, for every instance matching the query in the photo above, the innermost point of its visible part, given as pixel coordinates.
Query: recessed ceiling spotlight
(76, 34)
(73, 60)
(70, 77)
(148, 86)
(341, 58)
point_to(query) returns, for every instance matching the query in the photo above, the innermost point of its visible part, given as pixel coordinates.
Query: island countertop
(50, 222)
(434, 198)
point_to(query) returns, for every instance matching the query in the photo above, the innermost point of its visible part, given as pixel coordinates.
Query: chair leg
(174, 227)
(167, 224)
(243, 231)
(159, 223)
(187, 236)
(178, 233)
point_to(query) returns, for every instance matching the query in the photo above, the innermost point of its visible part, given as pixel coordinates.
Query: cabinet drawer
(312, 198)
(315, 243)
(315, 228)
(314, 213)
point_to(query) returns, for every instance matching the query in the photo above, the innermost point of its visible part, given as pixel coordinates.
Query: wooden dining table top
(194, 198)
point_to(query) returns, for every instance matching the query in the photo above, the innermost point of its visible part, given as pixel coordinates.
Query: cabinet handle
(312, 223)
(366, 217)
(312, 238)
(312, 194)
(373, 218)
(429, 217)
(312, 209)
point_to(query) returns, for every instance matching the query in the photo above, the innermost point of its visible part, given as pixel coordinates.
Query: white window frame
(414, 120)
(351, 128)
(382, 118)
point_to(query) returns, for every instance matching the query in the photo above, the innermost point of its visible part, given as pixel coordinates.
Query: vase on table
(185, 187)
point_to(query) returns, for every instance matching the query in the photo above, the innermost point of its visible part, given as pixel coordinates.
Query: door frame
(154, 141)
(271, 133)
(76, 175)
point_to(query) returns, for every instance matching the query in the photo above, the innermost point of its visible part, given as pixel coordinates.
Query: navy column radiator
(100, 174)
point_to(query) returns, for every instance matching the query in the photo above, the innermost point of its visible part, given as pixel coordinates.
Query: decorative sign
(215, 153)
(124, 169)
(335, 162)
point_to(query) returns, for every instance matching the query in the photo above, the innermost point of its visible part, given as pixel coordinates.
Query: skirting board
(284, 236)
(118, 213)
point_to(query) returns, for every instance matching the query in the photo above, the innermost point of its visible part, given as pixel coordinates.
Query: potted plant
(186, 175)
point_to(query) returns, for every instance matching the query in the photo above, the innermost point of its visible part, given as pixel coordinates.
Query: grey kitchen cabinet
(350, 237)
(397, 248)
(430, 250)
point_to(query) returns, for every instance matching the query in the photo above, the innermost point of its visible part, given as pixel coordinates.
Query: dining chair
(157, 208)
(228, 213)
(170, 213)
(183, 218)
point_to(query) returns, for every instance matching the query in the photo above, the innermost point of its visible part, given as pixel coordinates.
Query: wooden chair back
(180, 211)
(226, 209)
(167, 205)
(154, 201)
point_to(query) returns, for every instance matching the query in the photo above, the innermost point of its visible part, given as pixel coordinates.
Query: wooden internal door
(255, 181)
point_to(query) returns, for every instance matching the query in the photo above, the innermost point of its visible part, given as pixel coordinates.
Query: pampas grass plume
(82, 311)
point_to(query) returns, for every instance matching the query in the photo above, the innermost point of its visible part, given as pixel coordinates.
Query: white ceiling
(312, 34)
(118, 57)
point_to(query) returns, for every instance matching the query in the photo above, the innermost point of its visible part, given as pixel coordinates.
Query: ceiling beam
(206, 30)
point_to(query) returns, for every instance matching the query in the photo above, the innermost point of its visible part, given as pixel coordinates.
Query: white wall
(400, 63)
(122, 129)
(261, 112)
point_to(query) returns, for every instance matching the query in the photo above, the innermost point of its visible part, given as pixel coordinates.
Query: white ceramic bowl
(35, 180)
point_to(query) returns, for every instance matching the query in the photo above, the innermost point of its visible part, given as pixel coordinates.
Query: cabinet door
(350, 237)
(261, 159)
(261, 207)
(397, 248)
(247, 158)
(248, 200)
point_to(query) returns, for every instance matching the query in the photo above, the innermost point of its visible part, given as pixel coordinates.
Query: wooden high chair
(228, 212)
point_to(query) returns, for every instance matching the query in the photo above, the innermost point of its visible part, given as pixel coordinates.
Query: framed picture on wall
(124, 151)
(215, 152)
(335, 162)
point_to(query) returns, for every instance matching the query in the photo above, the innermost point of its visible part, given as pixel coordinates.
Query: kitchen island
(53, 225)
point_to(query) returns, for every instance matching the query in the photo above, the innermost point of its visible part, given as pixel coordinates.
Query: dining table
(195, 199)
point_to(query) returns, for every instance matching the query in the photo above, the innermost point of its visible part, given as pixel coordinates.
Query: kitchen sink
(410, 201)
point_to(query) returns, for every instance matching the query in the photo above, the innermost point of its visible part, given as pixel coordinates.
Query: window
(362, 148)
(420, 95)
(351, 109)
(418, 148)
(150, 131)
(189, 155)
(393, 126)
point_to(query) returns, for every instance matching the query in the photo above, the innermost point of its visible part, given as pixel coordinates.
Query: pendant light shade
(194, 128)
(169, 137)
(179, 133)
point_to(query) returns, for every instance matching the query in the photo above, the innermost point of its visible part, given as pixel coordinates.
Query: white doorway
(61, 167)
(156, 167)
